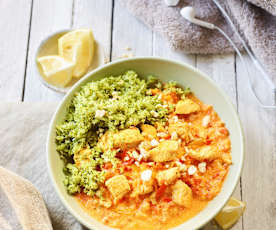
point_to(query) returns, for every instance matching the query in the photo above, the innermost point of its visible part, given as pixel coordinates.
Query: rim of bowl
(229, 192)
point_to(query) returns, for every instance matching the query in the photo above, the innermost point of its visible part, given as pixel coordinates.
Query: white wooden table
(24, 23)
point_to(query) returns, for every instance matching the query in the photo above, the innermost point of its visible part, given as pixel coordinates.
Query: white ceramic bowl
(49, 46)
(203, 87)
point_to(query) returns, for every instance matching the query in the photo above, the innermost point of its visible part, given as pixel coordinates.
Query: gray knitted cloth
(256, 22)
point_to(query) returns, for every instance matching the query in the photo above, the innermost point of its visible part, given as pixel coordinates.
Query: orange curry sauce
(199, 168)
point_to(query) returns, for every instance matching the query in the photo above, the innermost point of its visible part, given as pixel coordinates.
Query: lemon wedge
(230, 214)
(57, 70)
(77, 46)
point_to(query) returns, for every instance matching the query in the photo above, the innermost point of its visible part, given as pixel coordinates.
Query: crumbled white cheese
(161, 140)
(202, 167)
(174, 136)
(175, 118)
(143, 153)
(183, 158)
(100, 113)
(115, 96)
(154, 143)
(127, 158)
(159, 96)
(154, 113)
(140, 157)
(162, 134)
(114, 93)
(135, 154)
(192, 170)
(136, 163)
(182, 167)
(187, 150)
(151, 163)
(146, 175)
(206, 121)
(167, 166)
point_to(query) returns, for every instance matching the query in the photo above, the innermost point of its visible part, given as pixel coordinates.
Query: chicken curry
(155, 172)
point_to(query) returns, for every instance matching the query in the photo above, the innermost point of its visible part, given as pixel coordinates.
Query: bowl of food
(145, 143)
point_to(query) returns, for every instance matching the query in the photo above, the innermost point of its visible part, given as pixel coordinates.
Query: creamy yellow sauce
(131, 219)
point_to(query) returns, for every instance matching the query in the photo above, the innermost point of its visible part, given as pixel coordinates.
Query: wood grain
(129, 32)
(161, 48)
(258, 178)
(96, 15)
(14, 27)
(47, 17)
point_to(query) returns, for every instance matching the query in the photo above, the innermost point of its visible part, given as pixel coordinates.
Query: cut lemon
(230, 214)
(57, 71)
(77, 46)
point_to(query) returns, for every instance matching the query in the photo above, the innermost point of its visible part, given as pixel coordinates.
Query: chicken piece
(205, 153)
(165, 151)
(181, 128)
(186, 106)
(197, 142)
(142, 188)
(149, 131)
(118, 186)
(182, 194)
(168, 176)
(145, 188)
(226, 158)
(105, 203)
(159, 127)
(225, 145)
(82, 157)
(144, 208)
(105, 142)
(128, 138)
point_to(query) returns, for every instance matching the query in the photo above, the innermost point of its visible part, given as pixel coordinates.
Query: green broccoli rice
(110, 104)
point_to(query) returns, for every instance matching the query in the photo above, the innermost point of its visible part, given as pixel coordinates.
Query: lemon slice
(57, 71)
(230, 214)
(77, 46)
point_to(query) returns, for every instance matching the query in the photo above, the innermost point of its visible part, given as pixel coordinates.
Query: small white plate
(49, 46)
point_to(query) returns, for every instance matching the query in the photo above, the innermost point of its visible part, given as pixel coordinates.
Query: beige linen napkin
(23, 130)
(26, 201)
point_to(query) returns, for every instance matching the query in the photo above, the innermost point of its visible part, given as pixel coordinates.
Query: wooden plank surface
(96, 15)
(129, 32)
(161, 49)
(258, 178)
(14, 27)
(47, 17)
